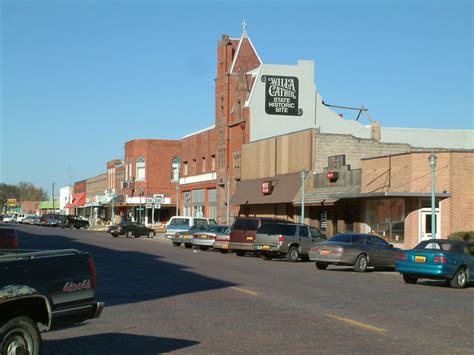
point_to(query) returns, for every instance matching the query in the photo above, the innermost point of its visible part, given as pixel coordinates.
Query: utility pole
(53, 197)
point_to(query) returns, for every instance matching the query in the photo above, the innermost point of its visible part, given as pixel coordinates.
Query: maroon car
(242, 234)
(8, 238)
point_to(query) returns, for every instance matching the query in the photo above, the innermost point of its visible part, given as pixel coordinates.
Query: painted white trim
(421, 213)
(238, 51)
(255, 73)
(198, 178)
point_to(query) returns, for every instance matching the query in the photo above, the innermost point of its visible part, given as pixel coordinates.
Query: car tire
(320, 265)
(410, 279)
(293, 254)
(224, 251)
(240, 253)
(129, 235)
(151, 235)
(267, 256)
(203, 248)
(20, 335)
(460, 279)
(115, 235)
(361, 263)
(188, 245)
(176, 244)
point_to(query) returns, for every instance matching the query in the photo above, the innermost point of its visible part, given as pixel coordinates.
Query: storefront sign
(266, 188)
(281, 95)
(154, 200)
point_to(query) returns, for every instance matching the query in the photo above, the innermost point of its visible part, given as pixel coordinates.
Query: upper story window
(203, 164)
(175, 168)
(140, 166)
(185, 168)
(213, 162)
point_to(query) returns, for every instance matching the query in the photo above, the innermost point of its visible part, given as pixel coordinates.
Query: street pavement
(160, 298)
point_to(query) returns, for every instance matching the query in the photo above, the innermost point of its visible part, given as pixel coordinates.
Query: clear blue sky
(80, 78)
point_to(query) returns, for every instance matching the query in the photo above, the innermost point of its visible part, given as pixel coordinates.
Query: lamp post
(432, 159)
(53, 197)
(303, 177)
(140, 194)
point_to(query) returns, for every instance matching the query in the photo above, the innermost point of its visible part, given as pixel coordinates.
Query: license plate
(324, 252)
(225, 246)
(266, 247)
(420, 259)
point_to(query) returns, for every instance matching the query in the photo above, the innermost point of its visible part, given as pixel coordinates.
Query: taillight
(281, 238)
(92, 271)
(441, 259)
(402, 256)
(337, 250)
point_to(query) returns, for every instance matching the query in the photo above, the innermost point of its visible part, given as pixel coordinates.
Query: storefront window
(198, 202)
(187, 203)
(386, 218)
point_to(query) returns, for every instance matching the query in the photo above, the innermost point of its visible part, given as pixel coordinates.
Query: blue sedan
(438, 259)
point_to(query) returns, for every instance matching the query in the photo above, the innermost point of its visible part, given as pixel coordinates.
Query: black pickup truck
(54, 289)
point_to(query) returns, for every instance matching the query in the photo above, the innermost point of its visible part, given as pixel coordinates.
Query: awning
(92, 204)
(283, 189)
(78, 200)
(48, 205)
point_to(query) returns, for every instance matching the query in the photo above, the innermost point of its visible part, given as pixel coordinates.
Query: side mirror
(390, 245)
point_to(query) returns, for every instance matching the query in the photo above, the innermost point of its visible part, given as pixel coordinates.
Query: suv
(49, 219)
(73, 222)
(286, 239)
(183, 223)
(243, 231)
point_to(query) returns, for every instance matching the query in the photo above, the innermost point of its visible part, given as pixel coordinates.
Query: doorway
(425, 224)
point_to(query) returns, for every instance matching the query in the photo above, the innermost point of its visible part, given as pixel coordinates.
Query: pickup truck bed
(52, 288)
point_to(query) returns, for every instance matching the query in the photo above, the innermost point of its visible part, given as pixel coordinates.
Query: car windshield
(216, 229)
(450, 246)
(246, 224)
(179, 222)
(346, 238)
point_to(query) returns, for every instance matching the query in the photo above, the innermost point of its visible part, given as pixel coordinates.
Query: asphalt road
(161, 298)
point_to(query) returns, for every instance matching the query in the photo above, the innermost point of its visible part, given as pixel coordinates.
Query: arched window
(175, 169)
(140, 166)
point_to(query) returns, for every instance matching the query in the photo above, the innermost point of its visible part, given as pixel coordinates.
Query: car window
(374, 240)
(315, 232)
(179, 222)
(345, 238)
(212, 221)
(304, 232)
(140, 225)
(200, 222)
(270, 228)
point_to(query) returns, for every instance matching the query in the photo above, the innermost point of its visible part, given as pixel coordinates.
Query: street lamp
(432, 159)
(303, 177)
(140, 194)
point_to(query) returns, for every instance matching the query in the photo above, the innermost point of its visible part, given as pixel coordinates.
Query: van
(242, 234)
(184, 223)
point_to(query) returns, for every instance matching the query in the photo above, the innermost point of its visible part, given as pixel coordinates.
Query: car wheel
(224, 251)
(115, 235)
(361, 263)
(86, 226)
(151, 235)
(176, 244)
(188, 245)
(267, 256)
(240, 253)
(292, 255)
(70, 226)
(129, 235)
(203, 248)
(321, 266)
(460, 279)
(410, 279)
(20, 336)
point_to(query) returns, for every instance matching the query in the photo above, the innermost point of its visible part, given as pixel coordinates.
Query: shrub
(466, 236)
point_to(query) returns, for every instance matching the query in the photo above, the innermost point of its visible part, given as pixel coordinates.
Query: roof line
(238, 51)
(200, 131)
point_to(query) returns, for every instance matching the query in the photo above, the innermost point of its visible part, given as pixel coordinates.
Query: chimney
(375, 131)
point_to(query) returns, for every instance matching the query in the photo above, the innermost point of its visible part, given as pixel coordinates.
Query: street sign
(156, 200)
(148, 205)
(157, 206)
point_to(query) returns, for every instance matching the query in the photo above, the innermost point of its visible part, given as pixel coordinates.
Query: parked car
(357, 250)
(242, 234)
(9, 218)
(70, 221)
(29, 219)
(186, 237)
(19, 218)
(130, 229)
(205, 239)
(183, 223)
(286, 239)
(8, 239)
(438, 259)
(221, 242)
(55, 288)
(49, 219)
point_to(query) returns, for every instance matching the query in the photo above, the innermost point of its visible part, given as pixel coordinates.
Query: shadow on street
(115, 343)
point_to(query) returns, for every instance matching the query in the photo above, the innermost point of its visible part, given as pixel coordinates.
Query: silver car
(205, 239)
(357, 250)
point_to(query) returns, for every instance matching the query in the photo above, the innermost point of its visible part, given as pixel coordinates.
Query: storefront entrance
(425, 224)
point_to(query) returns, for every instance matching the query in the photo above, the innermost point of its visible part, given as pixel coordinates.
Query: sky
(81, 78)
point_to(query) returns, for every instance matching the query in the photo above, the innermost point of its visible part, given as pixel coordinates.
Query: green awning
(48, 205)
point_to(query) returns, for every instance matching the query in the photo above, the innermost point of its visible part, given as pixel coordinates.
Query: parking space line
(359, 324)
(249, 292)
